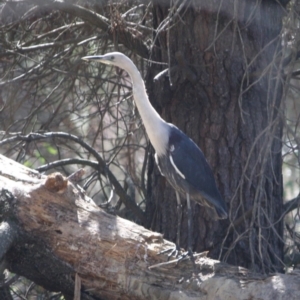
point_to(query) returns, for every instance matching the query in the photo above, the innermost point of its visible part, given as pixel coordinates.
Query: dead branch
(101, 165)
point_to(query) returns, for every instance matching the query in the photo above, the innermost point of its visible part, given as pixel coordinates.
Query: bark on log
(61, 234)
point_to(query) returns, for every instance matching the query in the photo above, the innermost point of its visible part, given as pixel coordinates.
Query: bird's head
(113, 58)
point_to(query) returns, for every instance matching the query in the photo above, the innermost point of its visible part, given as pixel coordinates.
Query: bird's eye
(112, 57)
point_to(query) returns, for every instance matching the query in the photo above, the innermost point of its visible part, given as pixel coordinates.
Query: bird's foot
(178, 254)
(186, 254)
(174, 251)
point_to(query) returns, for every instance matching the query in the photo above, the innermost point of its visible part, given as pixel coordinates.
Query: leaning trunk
(223, 88)
(52, 233)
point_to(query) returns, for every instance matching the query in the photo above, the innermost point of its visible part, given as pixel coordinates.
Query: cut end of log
(56, 183)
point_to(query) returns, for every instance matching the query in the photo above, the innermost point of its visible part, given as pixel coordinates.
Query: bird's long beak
(98, 58)
(93, 57)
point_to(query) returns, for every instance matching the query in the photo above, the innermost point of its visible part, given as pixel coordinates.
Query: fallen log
(52, 233)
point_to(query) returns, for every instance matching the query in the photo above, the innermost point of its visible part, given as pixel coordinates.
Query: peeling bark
(63, 233)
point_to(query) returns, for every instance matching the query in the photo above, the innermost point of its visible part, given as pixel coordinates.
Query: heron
(178, 158)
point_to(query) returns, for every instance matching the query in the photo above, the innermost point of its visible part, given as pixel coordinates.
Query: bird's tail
(222, 212)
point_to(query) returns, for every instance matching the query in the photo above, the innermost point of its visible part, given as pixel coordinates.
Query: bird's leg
(179, 217)
(176, 249)
(190, 226)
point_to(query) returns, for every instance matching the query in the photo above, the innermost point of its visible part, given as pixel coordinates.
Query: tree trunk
(223, 89)
(51, 232)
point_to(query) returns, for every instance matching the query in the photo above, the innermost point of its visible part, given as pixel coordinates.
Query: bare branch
(101, 166)
(68, 161)
(291, 205)
(135, 43)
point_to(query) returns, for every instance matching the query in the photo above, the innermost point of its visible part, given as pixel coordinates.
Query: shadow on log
(51, 232)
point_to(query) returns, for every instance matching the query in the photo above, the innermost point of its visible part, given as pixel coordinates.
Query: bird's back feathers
(194, 170)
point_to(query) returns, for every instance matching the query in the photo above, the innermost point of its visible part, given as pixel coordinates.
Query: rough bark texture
(225, 94)
(62, 233)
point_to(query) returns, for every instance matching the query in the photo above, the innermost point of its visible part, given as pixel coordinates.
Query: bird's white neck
(156, 128)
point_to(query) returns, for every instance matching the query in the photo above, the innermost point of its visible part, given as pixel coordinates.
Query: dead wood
(54, 232)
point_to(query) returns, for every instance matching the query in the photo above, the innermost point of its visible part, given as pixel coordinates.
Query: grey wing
(191, 162)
